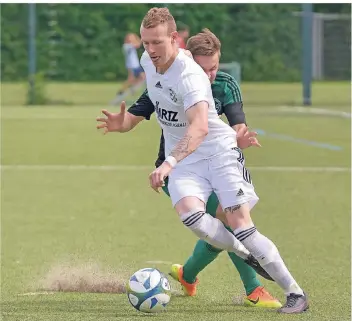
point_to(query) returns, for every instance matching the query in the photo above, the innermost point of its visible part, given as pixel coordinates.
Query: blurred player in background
(182, 35)
(136, 74)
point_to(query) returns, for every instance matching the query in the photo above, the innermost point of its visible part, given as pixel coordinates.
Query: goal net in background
(331, 47)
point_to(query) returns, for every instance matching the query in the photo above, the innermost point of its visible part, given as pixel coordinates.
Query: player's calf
(214, 232)
(263, 249)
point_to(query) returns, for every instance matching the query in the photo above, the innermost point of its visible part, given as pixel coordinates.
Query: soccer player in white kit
(203, 156)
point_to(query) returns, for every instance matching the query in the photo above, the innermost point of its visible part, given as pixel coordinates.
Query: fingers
(103, 125)
(253, 139)
(255, 142)
(101, 119)
(123, 107)
(104, 121)
(251, 134)
(156, 180)
(106, 113)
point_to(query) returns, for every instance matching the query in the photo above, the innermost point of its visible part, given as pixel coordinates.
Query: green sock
(202, 255)
(247, 274)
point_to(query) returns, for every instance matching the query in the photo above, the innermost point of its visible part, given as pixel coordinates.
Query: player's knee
(220, 215)
(201, 223)
(193, 220)
(189, 204)
(238, 216)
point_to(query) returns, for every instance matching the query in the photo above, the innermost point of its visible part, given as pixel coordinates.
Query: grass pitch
(77, 205)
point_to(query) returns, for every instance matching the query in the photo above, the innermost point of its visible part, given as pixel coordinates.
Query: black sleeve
(234, 113)
(143, 106)
(161, 153)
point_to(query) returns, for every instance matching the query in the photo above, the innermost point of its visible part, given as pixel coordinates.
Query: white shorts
(224, 174)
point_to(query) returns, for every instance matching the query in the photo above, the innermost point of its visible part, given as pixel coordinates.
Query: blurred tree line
(82, 42)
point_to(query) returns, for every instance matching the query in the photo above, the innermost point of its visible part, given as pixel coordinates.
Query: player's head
(128, 38)
(183, 30)
(158, 33)
(131, 37)
(206, 50)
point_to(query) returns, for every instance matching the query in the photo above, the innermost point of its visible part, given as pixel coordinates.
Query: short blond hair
(156, 16)
(204, 43)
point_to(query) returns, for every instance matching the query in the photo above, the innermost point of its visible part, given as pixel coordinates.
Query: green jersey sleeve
(232, 91)
(231, 98)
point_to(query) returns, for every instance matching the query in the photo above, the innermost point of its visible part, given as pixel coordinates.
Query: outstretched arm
(125, 121)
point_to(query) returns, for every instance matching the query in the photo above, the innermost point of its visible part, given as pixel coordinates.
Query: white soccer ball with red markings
(149, 290)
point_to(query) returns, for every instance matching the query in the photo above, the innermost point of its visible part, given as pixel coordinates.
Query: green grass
(113, 218)
(335, 94)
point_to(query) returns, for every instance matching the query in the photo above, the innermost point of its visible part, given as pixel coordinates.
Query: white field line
(35, 293)
(150, 168)
(158, 262)
(315, 111)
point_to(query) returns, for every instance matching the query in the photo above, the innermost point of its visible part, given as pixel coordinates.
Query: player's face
(159, 44)
(210, 65)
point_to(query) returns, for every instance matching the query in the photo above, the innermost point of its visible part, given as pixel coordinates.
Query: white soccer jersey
(183, 85)
(131, 56)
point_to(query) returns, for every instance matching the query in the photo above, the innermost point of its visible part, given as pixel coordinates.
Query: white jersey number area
(182, 86)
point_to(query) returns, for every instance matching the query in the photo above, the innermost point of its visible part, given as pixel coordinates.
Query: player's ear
(173, 36)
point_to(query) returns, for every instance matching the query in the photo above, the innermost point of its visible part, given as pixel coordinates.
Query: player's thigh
(139, 73)
(231, 180)
(187, 202)
(214, 209)
(213, 206)
(220, 214)
(141, 76)
(189, 188)
(131, 75)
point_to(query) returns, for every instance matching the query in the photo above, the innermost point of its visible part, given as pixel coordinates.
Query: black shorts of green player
(228, 101)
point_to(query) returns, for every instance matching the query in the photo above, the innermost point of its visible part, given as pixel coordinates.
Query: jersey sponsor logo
(217, 105)
(164, 114)
(158, 85)
(168, 117)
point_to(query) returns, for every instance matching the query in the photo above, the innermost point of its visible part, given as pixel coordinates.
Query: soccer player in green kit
(205, 48)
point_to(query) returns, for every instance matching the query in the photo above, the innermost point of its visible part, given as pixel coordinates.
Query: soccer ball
(148, 290)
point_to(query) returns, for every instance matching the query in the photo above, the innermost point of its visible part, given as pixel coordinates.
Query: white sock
(213, 231)
(267, 254)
